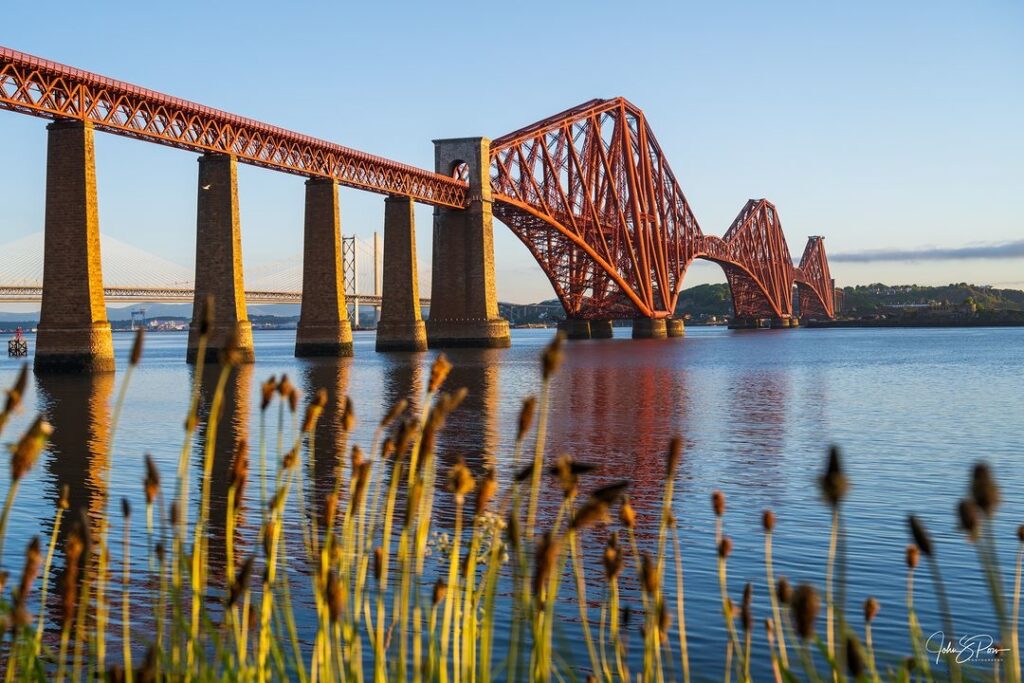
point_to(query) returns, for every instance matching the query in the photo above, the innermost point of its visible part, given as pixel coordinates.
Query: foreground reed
(396, 598)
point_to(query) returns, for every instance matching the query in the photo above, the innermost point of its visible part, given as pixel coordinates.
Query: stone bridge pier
(73, 333)
(219, 261)
(324, 328)
(463, 303)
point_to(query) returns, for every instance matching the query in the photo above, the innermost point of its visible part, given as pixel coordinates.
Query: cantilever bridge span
(588, 191)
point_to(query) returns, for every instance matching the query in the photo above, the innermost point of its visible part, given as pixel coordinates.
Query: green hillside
(876, 297)
(714, 300)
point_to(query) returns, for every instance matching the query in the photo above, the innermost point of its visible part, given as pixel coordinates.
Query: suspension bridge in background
(589, 191)
(133, 275)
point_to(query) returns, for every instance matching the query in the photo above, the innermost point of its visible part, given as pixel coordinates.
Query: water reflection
(621, 417)
(330, 439)
(475, 435)
(757, 417)
(403, 378)
(232, 432)
(79, 407)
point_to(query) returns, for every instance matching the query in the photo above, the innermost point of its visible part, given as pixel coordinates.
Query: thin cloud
(1001, 250)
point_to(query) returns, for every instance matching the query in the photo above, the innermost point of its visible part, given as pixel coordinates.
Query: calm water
(912, 409)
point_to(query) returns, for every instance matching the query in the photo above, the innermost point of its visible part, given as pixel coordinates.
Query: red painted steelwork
(591, 194)
(42, 88)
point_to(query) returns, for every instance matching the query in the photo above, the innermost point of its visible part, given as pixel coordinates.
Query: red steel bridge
(589, 191)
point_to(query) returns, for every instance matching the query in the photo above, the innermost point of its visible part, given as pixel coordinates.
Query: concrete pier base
(73, 333)
(219, 262)
(675, 327)
(601, 329)
(324, 328)
(782, 323)
(649, 328)
(401, 325)
(463, 303)
(574, 328)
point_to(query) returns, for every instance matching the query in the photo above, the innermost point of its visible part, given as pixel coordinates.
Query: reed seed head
(523, 473)
(159, 550)
(513, 532)
(613, 558)
(335, 595)
(921, 537)
(913, 556)
(724, 548)
(362, 482)
(649, 578)
(126, 508)
(348, 415)
(568, 470)
(854, 657)
(747, 612)
(768, 521)
(551, 359)
(486, 490)
(718, 503)
(805, 606)
(526, 417)
(544, 561)
(783, 590)
(1020, 533)
(871, 608)
(291, 459)
(240, 469)
(664, 621)
(592, 512)
(970, 519)
(64, 502)
(438, 372)
(74, 548)
(611, 493)
(675, 454)
(267, 390)
(378, 562)
(406, 432)
(284, 386)
(17, 391)
(440, 589)
(241, 582)
(627, 515)
(356, 457)
(460, 481)
(293, 400)
(151, 482)
(834, 483)
(314, 410)
(28, 448)
(984, 490)
(33, 561)
(330, 509)
(395, 411)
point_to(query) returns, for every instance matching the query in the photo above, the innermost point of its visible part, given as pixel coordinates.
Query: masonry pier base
(675, 327)
(575, 328)
(649, 328)
(73, 333)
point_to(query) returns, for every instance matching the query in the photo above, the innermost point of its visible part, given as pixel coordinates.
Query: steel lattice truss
(591, 194)
(42, 88)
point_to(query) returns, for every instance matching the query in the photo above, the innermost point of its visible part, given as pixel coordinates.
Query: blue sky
(887, 127)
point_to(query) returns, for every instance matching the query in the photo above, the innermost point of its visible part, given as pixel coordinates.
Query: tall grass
(397, 598)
